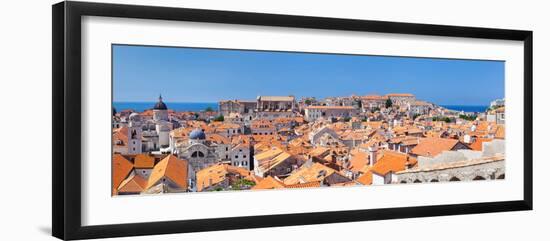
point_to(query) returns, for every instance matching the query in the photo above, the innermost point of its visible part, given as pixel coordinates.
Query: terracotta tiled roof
(304, 185)
(319, 151)
(433, 146)
(268, 164)
(359, 160)
(121, 167)
(172, 168)
(268, 154)
(144, 161)
(477, 145)
(120, 136)
(365, 179)
(219, 139)
(268, 183)
(216, 174)
(392, 162)
(132, 184)
(210, 176)
(309, 173)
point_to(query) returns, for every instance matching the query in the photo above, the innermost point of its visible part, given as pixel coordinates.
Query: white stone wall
(487, 171)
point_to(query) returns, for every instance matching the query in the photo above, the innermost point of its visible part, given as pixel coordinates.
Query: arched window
(477, 178)
(403, 181)
(454, 179)
(417, 181)
(197, 154)
(501, 176)
(434, 180)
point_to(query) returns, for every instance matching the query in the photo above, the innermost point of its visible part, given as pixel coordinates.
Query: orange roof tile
(120, 136)
(268, 183)
(144, 161)
(172, 168)
(219, 139)
(133, 184)
(392, 162)
(319, 151)
(216, 174)
(365, 179)
(477, 145)
(309, 173)
(210, 176)
(433, 146)
(304, 185)
(358, 161)
(121, 167)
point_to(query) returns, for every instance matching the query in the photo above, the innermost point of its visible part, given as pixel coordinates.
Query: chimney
(372, 154)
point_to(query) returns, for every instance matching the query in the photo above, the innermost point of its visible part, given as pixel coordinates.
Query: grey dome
(160, 105)
(197, 134)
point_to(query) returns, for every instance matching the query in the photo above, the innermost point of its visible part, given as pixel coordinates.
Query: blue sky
(208, 75)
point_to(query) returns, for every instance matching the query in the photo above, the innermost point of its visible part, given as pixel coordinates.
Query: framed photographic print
(169, 120)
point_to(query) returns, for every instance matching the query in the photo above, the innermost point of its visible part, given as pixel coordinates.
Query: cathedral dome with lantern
(160, 105)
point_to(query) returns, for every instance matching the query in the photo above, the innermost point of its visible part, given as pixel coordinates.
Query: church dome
(160, 105)
(197, 134)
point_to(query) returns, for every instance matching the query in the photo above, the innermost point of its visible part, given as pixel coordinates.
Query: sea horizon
(467, 108)
(140, 106)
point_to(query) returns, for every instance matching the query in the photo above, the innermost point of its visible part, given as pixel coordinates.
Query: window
(236, 156)
(197, 154)
(244, 156)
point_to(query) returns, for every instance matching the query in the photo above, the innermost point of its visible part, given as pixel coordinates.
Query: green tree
(308, 102)
(444, 118)
(388, 103)
(209, 109)
(242, 184)
(219, 118)
(468, 117)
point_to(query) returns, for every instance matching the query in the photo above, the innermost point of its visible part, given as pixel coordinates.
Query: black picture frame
(66, 76)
